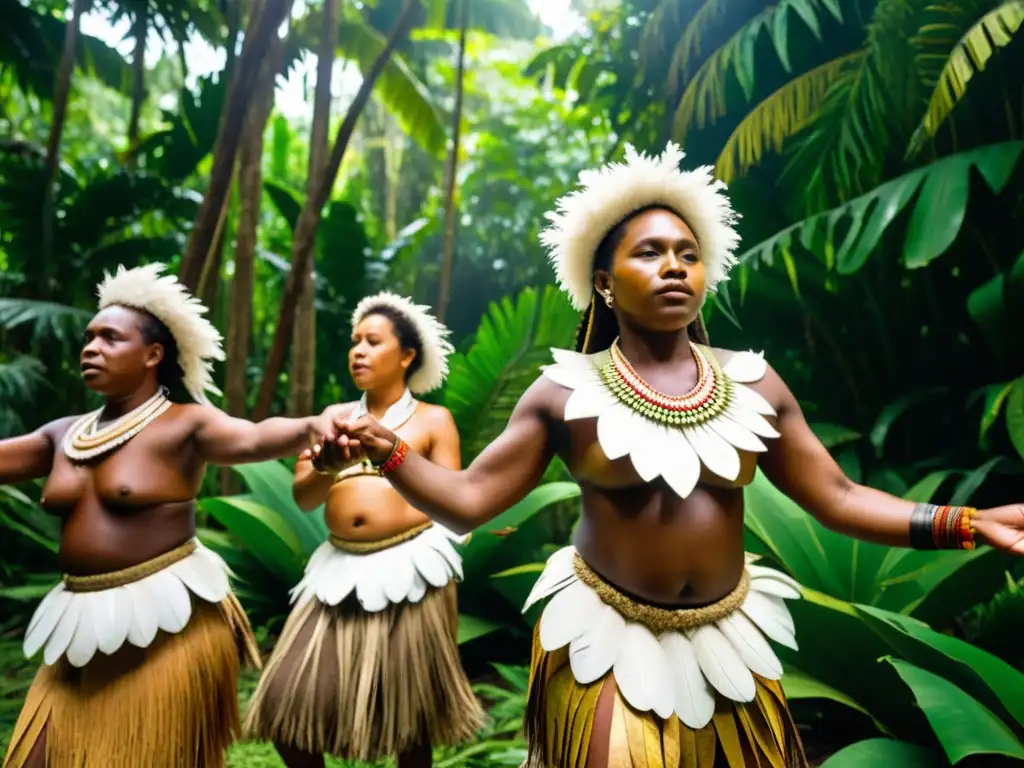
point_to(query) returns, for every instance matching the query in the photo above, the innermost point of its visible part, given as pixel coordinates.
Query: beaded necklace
(83, 441)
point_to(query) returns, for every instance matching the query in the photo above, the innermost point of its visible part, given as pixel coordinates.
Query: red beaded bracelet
(398, 454)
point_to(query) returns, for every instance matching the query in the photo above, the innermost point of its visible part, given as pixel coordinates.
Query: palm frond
(703, 101)
(844, 237)
(778, 117)
(969, 56)
(49, 321)
(21, 379)
(398, 88)
(511, 344)
(689, 46)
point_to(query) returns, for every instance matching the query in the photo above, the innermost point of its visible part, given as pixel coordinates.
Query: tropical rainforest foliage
(287, 159)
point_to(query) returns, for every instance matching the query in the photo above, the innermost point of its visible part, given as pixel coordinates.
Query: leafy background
(873, 148)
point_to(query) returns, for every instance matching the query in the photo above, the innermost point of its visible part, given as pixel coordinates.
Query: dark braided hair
(598, 316)
(408, 337)
(153, 331)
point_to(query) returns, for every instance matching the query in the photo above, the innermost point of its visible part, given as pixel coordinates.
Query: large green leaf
(511, 344)
(262, 531)
(472, 627)
(1015, 416)
(943, 184)
(480, 554)
(799, 685)
(398, 88)
(984, 675)
(962, 724)
(884, 752)
(896, 579)
(270, 483)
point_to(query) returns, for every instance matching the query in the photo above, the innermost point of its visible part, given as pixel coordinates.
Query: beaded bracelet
(394, 461)
(946, 527)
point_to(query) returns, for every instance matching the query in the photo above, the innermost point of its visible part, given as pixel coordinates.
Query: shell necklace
(83, 441)
(666, 436)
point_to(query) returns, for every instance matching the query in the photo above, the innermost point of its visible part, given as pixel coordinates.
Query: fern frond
(703, 100)
(778, 117)
(49, 321)
(689, 45)
(969, 56)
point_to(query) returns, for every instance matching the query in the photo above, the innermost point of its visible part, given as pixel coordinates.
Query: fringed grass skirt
(689, 688)
(170, 703)
(367, 664)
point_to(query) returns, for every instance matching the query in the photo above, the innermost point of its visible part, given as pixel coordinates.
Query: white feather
(718, 455)
(587, 403)
(174, 606)
(693, 697)
(721, 664)
(48, 615)
(557, 573)
(398, 583)
(614, 428)
(568, 615)
(418, 588)
(746, 397)
(772, 582)
(145, 621)
(83, 644)
(44, 605)
(202, 577)
(646, 450)
(335, 579)
(370, 590)
(63, 632)
(114, 607)
(745, 367)
(640, 672)
(573, 360)
(594, 652)
(755, 422)
(564, 376)
(771, 616)
(751, 645)
(737, 435)
(442, 546)
(680, 465)
(431, 566)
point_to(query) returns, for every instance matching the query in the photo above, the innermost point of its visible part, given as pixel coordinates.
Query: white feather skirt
(677, 672)
(400, 573)
(78, 624)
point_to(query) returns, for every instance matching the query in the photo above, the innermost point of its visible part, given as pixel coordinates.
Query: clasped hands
(349, 442)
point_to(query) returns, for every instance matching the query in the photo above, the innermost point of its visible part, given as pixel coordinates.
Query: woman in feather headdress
(653, 649)
(367, 665)
(143, 638)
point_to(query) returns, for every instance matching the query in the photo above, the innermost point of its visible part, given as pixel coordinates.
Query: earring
(608, 298)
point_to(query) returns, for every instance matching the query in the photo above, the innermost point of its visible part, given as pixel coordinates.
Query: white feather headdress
(433, 336)
(608, 195)
(162, 296)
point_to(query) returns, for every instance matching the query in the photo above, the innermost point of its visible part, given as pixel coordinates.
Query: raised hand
(1001, 527)
(365, 436)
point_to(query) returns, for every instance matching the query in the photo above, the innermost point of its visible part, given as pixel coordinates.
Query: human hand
(365, 436)
(1001, 527)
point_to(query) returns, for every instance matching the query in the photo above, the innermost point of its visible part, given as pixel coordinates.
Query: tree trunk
(445, 282)
(261, 32)
(61, 93)
(243, 284)
(304, 240)
(303, 370)
(139, 84)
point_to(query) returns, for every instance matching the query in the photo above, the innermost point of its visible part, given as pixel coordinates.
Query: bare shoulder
(55, 430)
(749, 367)
(435, 415)
(544, 399)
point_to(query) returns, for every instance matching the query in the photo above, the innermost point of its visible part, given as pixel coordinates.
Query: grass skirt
(367, 664)
(170, 705)
(693, 688)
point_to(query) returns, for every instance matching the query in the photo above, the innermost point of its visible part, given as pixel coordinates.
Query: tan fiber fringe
(369, 547)
(560, 717)
(361, 685)
(101, 581)
(171, 705)
(656, 619)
